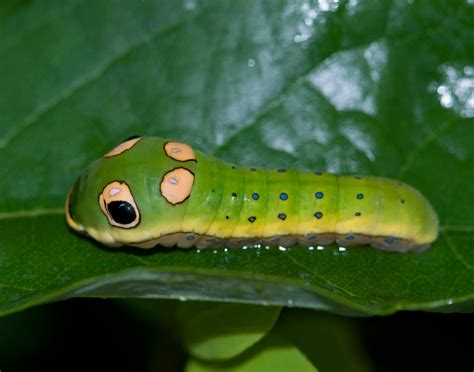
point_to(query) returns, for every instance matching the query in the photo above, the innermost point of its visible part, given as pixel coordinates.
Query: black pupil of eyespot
(122, 212)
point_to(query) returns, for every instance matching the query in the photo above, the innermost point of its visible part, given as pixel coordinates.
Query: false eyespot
(124, 146)
(119, 206)
(177, 185)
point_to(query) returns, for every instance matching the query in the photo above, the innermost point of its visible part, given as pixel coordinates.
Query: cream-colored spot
(118, 191)
(124, 146)
(177, 185)
(179, 151)
(114, 191)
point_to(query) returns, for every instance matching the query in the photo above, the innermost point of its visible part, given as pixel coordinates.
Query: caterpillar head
(125, 196)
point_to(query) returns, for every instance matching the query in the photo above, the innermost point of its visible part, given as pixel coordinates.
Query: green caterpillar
(150, 191)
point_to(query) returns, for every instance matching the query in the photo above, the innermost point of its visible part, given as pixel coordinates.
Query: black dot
(281, 170)
(318, 215)
(226, 217)
(233, 167)
(402, 201)
(253, 169)
(318, 173)
(213, 190)
(122, 212)
(234, 195)
(252, 219)
(282, 216)
(358, 177)
(357, 214)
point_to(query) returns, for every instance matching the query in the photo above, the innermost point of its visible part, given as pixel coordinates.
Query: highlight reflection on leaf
(379, 88)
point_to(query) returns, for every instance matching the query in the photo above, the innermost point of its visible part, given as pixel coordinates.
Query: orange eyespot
(124, 146)
(118, 204)
(177, 185)
(179, 151)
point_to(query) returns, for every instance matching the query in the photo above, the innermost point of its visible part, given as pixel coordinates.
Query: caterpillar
(148, 191)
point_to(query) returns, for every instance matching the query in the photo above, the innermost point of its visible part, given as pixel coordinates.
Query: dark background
(96, 334)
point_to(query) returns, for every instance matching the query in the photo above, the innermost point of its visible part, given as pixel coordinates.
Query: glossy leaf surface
(382, 88)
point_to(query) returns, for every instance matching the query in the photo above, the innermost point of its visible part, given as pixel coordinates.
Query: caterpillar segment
(149, 191)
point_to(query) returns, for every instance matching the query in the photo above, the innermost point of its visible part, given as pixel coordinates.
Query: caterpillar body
(149, 191)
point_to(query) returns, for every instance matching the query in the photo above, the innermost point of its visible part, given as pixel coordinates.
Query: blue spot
(350, 237)
(390, 240)
(253, 169)
(318, 215)
(252, 219)
(281, 170)
(282, 216)
(319, 195)
(190, 237)
(211, 240)
(360, 196)
(312, 236)
(283, 196)
(255, 196)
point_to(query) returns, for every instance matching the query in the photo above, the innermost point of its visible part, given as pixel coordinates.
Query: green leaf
(222, 331)
(330, 342)
(273, 354)
(381, 88)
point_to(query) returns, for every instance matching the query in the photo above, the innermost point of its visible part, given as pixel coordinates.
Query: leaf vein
(412, 156)
(87, 79)
(458, 256)
(32, 213)
(296, 262)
